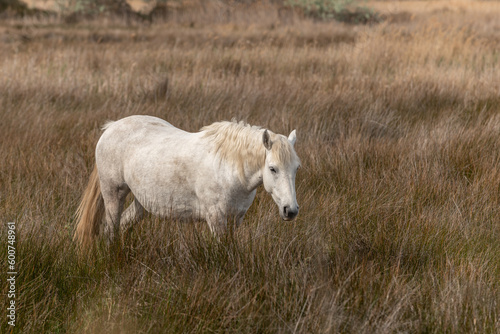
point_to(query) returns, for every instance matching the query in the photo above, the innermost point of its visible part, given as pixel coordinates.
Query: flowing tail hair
(90, 212)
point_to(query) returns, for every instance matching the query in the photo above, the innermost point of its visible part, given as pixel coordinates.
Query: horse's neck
(253, 170)
(248, 172)
(244, 153)
(254, 179)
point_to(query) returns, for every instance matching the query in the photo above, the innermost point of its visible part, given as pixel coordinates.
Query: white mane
(241, 144)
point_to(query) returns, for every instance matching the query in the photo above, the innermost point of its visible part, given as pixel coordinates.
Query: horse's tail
(90, 212)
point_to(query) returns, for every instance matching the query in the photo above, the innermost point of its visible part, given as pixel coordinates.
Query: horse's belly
(180, 204)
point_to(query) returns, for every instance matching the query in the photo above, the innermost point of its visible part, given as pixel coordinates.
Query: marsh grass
(398, 133)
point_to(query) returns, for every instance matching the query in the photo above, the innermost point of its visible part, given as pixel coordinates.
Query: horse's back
(138, 131)
(137, 123)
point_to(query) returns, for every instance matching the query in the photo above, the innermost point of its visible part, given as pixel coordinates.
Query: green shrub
(325, 9)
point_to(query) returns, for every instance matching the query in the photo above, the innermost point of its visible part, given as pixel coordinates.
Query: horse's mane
(238, 143)
(241, 145)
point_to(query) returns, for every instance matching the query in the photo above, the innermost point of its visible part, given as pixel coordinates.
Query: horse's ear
(292, 138)
(266, 140)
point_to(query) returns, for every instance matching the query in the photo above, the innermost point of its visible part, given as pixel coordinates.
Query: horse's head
(279, 172)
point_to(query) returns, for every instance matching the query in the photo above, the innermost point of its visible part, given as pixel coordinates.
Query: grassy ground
(399, 134)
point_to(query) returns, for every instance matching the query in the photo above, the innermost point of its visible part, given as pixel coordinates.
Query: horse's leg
(216, 221)
(131, 215)
(114, 198)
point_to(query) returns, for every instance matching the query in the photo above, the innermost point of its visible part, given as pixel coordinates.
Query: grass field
(398, 128)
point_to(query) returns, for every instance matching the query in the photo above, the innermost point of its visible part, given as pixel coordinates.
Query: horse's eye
(273, 170)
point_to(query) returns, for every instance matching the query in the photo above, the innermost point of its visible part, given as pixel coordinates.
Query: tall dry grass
(398, 132)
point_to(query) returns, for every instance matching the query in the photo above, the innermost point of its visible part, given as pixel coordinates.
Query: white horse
(212, 174)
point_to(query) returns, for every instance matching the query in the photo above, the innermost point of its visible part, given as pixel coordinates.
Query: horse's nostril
(286, 210)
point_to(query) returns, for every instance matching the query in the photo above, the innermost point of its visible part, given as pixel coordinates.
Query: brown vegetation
(398, 132)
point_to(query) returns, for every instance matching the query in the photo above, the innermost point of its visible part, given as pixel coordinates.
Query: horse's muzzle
(289, 213)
